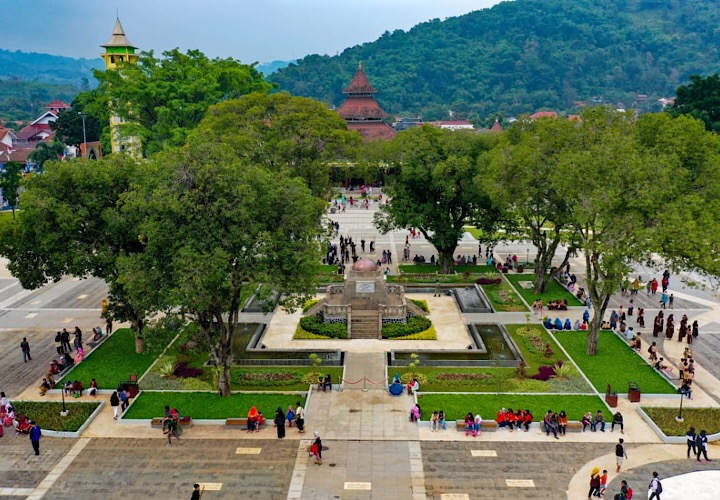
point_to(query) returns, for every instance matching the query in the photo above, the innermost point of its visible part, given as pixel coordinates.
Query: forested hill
(47, 68)
(526, 55)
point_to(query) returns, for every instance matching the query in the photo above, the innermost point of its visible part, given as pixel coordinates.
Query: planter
(633, 392)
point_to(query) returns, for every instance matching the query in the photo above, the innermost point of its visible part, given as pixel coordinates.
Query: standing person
(25, 347)
(594, 483)
(108, 325)
(362, 245)
(58, 343)
(197, 493)
(664, 299)
(701, 442)
(280, 422)
(691, 436)
(300, 418)
(172, 430)
(434, 421)
(603, 483)
(115, 403)
(316, 448)
(620, 454)
(36, 434)
(123, 399)
(66, 340)
(655, 487)
(290, 416)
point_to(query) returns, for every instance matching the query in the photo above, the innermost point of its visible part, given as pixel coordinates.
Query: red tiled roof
(360, 83)
(362, 108)
(29, 131)
(18, 154)
(373, 131)
(57, 104)
(497, 127)
(544, 114)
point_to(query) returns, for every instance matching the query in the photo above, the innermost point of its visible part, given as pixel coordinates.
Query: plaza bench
(485, 425)
(239, 423)
(157, 423)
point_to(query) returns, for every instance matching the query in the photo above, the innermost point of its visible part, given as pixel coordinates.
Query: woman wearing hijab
(594, 482)
(280, 422)
(252, 417)
(316, 448)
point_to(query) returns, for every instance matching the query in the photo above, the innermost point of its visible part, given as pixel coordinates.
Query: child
(434, 422)
(469, 421)
(290, 416)
(477, 425)
(603, 483)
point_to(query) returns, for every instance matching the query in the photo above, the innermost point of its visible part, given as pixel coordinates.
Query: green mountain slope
(47, 68)
(526, 55)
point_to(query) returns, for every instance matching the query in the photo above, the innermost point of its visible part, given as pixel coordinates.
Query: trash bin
(611, 397)
(633, 392)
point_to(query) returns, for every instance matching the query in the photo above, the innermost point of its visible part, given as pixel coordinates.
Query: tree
(282, 133)
(699, 99)
(10, 179)
(69, 125)
(72, 224)
(213, 226)
(437, 188)
(523, 165)
(615, 190)
(45, 151)
(163, 98)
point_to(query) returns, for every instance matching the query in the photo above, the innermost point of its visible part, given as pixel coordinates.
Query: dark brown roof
(361, 108)
(360, 83)
(373, 131)
(57, 104)
(496, 126)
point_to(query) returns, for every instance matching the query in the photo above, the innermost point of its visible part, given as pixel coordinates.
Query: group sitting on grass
(559, 324)
(7, 415)
(508, 419)
(557, 305)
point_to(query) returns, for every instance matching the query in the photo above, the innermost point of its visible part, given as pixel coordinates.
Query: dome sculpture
(365, 266)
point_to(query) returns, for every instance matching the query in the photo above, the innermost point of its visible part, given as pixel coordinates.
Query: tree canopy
(10, 179)
(436, 189)
(700, 99)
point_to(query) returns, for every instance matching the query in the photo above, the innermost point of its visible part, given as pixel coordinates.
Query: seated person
(51, 380)
(415, 413)
(568, 325)
(551, 305)
(586, 420)
(327, 382)
(563, 305)
(54, 367)
(77, 388)
(558, 324)
(584, 326)
(9, 417)
(571, 287)
(92, 390)
(67, 361)
(44, 387)
(605, 325)
(97, 334)
(576, 325)
(80, 355)
(68, 387)
(598, 421)
(548, 324)
(23, 425)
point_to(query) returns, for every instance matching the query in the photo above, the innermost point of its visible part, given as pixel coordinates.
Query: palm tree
(46, 152)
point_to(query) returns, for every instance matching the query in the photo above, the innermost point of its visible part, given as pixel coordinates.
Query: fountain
(472, 300)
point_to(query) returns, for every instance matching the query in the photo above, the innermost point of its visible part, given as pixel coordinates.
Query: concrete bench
(239, 423)
(157, 423)
(485, 425)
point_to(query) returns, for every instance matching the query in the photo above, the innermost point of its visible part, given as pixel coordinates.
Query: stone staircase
(364, 325)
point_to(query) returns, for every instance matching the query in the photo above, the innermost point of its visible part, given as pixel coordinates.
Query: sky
(248, 30)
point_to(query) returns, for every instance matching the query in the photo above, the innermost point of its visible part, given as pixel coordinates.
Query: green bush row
(314, 324)
(415, 324)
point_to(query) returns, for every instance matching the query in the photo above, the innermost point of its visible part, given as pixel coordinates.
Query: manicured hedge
(315, 325)
(415, 324)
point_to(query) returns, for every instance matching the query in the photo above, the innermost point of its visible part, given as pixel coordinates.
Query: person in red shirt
(510, 419)
(501, 419)
(527, 420)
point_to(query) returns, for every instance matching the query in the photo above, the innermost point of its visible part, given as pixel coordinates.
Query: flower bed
(700, 418)
(503, 298)
(553, 291)
(47, 413)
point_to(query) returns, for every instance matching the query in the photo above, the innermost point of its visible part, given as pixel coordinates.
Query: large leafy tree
(615, 190)
(69, 125)
(10, 179)
(438, 187)
(72, 224)
(213, 226)
(46, 151)
(521, 181)
(282, 133)
(700, 99)
(163, 98)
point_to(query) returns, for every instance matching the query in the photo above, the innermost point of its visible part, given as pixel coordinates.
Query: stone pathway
(365, 371)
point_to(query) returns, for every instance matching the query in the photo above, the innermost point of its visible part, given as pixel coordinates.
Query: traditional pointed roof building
(362, 112)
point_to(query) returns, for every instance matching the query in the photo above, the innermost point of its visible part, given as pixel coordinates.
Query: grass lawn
(503, 298)
(208, 405)
(434, 268)
(47, 414)
(553, 291)
(6, 217)
(700, 418)
(456, 406)
(615, 364)
(112, 362)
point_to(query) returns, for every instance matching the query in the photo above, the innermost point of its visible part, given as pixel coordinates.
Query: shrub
(429, 334)
(415, 324)
(315, 325)
(166, 366)
(182, 370)
(488, 281)
(268, 379)
(308, 304)
(405, 378)
(195, 384)
(301, 334)
(545, 373)
(422, 304)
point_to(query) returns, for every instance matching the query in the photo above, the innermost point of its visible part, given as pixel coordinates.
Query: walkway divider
(365, 382)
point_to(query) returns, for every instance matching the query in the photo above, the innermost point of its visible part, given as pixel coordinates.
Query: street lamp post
(83, 115)
(680, 418)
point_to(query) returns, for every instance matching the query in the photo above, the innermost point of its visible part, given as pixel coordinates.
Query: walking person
(115, 403)
(35, 435)
(316, 448)
(300, 418)
(197, 493)
(594, 483)
(691, 436)
(173, 429)
(620, 454)
(701, 442)
(655, 487)
(25, 347)
(280, 422)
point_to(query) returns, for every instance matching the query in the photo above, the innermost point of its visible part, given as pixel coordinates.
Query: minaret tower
(117, 50)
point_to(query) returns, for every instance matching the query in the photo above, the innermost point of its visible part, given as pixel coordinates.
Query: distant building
(406, 123)
(453, 124)
(497, 127)
(543, 114)
(362, 112)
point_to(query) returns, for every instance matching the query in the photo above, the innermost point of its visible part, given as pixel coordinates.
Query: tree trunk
(227, 334)
(137, 326)
(594, 333)
(541, 276)
(447, 262)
